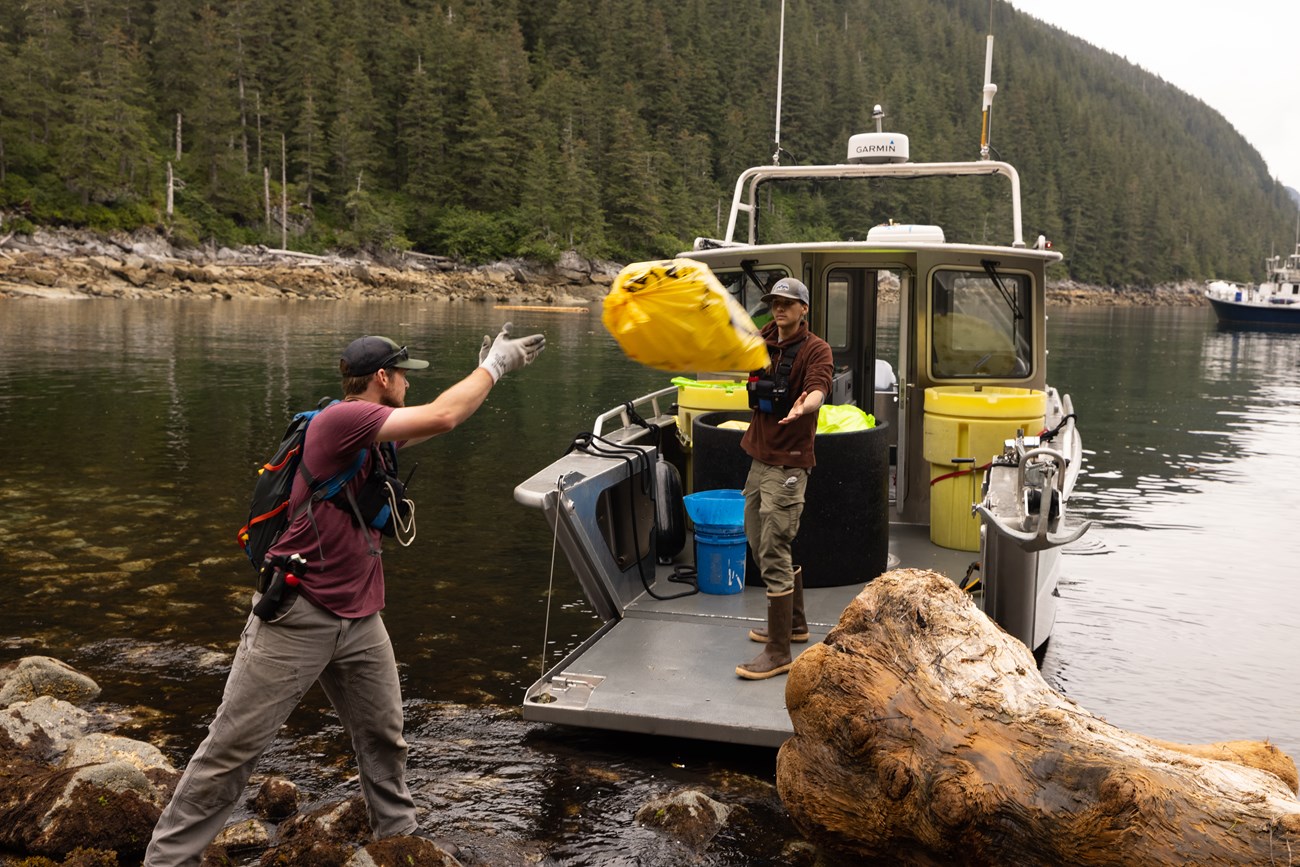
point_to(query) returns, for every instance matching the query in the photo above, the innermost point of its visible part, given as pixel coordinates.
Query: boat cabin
(950, 316)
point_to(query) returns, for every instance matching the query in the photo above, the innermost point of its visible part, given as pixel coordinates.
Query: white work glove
(504, 354)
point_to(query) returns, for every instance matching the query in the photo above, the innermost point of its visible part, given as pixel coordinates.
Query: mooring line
(550, 585)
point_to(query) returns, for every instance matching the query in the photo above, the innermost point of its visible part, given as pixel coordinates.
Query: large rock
(43, 727)
(403, 852)
(327, 835)
(151, 246)
(135, 276)
(924, 734)
(243, 836)
(276, 799)
(34, 676)
(689, 814)
(107, 806)
(570, 261)
(100, 748)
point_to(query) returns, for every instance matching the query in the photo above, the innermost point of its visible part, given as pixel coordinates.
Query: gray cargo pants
(276, 663)
(774, 498)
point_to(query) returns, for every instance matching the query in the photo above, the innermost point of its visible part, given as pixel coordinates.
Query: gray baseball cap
(788, 287)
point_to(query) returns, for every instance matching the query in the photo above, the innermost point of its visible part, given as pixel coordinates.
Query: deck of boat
(667, 667)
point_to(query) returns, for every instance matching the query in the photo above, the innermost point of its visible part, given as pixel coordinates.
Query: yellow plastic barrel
(708, 395)
(965, 427)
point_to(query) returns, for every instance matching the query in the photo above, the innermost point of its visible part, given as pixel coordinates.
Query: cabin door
(847, 322)
(906, 369)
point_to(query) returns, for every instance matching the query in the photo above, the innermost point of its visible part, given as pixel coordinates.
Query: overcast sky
(1241, 57)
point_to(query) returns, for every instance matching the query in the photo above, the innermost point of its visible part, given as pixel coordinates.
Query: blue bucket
(719, 518)
(716, 510)
(720, 559)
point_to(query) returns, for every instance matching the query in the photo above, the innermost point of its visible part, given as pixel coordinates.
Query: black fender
(670, 511)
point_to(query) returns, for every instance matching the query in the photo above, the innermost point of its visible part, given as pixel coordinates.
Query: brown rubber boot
(774, 658)
(798, 621)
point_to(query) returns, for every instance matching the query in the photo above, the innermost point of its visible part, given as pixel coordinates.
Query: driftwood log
(924, 734)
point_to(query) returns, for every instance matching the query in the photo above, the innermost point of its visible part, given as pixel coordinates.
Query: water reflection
(134, 430)
(1190, 415)
(1182, 628)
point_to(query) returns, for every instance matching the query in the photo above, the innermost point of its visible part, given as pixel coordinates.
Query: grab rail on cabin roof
(758, 174)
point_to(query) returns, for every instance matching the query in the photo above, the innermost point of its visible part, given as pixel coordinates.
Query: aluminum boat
(968, 470)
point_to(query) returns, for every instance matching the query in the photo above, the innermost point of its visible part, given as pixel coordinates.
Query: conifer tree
(45, 61)
(561, 200)
(353, 148)
(631, 187)
(310, 154)
(482, 153)
(173, 47)
(500, 126)
(423, 140)
(212, 114)
(300, 82)
(107, 148)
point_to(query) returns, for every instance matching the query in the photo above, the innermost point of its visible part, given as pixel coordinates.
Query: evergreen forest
(486, 129)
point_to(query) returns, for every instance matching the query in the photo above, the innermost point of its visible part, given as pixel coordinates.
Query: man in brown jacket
(786, 397)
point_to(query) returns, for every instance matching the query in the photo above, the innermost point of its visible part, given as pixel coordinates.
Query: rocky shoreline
(75, 264)
(74, 793)
(72, 264)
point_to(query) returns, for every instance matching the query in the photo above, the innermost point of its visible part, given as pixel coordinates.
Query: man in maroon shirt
(329, 629)
(786, 397)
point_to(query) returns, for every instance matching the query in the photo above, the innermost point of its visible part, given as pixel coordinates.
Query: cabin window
(980, 324)
(750, 295)
(837, 311)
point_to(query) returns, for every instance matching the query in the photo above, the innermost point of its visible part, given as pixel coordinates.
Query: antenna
(780, 68)
(989, 89)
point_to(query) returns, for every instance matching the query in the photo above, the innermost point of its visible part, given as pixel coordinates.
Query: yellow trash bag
(674, 315)
(842, 418)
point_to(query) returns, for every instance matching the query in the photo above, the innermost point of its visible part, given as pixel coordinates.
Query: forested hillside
(492, 128)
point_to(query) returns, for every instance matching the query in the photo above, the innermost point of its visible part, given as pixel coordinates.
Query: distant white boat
(1275, 303)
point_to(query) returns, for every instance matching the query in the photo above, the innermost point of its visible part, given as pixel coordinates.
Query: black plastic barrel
(844, 531)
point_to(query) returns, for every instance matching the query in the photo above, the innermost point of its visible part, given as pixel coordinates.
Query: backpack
(268, 510)
(381, 503)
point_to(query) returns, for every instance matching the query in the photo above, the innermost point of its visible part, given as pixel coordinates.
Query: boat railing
(623, 412)
(745, 198)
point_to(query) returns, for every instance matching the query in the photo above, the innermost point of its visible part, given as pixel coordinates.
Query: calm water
(1180, 616)
(133, 432)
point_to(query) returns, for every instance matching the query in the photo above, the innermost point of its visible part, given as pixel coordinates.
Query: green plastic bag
(842, 419)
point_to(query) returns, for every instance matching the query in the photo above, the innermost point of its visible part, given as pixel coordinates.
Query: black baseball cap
(365, 355)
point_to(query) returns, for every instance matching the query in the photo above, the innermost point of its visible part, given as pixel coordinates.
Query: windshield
(750, 294)
(979, 324)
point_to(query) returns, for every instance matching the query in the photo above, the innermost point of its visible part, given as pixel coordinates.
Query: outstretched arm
(415, 424)
(496, 358)
(808, 402)
(816, 382)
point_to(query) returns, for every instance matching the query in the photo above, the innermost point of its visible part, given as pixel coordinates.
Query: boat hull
(1234, 314)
